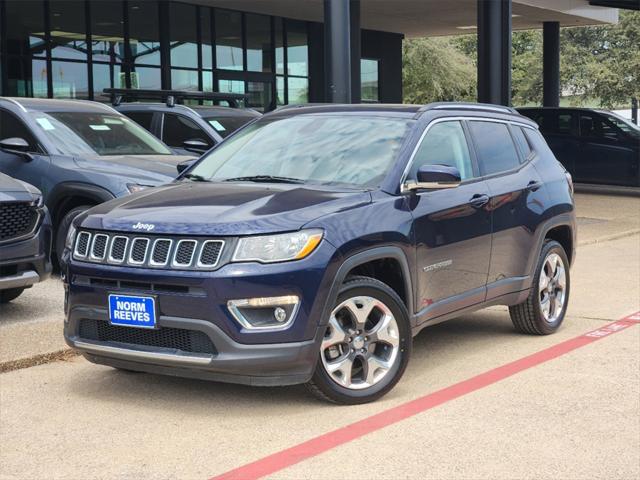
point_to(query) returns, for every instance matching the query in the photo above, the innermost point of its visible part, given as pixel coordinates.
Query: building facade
(76, 48)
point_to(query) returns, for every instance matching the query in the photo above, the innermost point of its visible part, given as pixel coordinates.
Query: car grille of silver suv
(148, 251)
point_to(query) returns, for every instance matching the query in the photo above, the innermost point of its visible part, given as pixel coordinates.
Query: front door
(452, 227)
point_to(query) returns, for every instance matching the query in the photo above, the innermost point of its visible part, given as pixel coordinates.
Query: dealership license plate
(132, 311)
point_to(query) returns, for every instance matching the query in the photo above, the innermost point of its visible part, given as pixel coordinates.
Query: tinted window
(551, 121)
(496, 150)
(143, 119)
(12, 127)
(537, 142)
(178, 129)
(333, 149)
(521, 141)
(593, 125)
(444, 144)
(227, 125)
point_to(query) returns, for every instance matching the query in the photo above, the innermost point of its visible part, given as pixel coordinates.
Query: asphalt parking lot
(477, 401)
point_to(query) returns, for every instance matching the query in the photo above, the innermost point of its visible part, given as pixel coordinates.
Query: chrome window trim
(93, 243)
(403, 178)
(75, 250)
(153, 248)
(175, 253)
(199, 264)
(130, 260)
(110, 258)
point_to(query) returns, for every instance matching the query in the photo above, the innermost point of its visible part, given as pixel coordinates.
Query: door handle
(533, 185)
(479, 200)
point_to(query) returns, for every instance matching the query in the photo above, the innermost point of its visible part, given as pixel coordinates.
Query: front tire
(545, 308)
(366, 347)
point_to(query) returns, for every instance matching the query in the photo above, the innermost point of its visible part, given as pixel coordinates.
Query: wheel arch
(68, 195)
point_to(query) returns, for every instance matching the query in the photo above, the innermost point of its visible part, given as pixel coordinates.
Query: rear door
(452, 227)
(605, 154)
(516, 202)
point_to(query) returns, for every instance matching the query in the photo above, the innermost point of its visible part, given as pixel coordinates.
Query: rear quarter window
(521, 141)
(495, 147)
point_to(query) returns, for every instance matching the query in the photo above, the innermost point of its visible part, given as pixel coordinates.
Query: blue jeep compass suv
(311, 245)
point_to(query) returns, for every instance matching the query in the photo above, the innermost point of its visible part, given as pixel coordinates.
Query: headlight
(277, 248)
(134, 187)
(71, 237)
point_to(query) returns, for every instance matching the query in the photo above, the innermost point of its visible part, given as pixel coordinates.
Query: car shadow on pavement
(433, 347)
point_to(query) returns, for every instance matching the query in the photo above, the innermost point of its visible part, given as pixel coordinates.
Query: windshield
(623, 124)
(88, 133)
(327, 149)
(227, 125)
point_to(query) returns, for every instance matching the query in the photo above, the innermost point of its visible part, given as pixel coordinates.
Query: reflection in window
(259, 95)
(26, 78)
(68, 30)
(144, 41)
(106, 76)
(184, 38)
(146, 78)
(279, 46)
(70, 80)
(231, 86)
(280, 100)
(298, 90)
(107, 32)
(228, 40)
(205, 33)
(297, 49)
(26, 36)
(184, 79)
(444, 144)
(369, 80)
(258, 43)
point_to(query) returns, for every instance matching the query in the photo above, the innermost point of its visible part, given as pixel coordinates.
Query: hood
(152, 169)
(221, 209)
(12, 190)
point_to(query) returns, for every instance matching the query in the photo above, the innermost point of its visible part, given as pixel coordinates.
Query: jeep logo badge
(147, 227)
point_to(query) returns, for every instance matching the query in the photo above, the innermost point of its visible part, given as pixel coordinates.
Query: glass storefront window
(70, 79)
(26, 78)
(280, 100)
(298, 90)
(228, 40)
(146, 78)
(279, 34)
(184, 79)
(25, 28)
(184, 35)
(144, 35)
(231, 86)
(107, 31)
(68, 30)
(205, 34)
(297, 49)
(106, 76)
(369, 80)
(258, 43)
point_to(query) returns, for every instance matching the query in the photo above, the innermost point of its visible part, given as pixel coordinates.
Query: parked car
(596, 146)
(25, 238)
(311, 245)
(186, 129)
(79, 154)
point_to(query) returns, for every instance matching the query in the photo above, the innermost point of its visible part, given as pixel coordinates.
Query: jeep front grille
(17, 220)
(148, 251)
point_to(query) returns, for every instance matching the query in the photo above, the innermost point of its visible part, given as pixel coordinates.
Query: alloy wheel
(552, 287)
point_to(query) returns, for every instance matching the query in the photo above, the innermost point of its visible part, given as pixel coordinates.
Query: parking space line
(320, 444)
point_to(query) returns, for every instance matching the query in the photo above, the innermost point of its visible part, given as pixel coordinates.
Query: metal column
(494, 51)
(551, 64)
(337, 51)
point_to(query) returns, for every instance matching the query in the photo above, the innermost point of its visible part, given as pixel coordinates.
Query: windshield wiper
(264, 179)
(196, 178)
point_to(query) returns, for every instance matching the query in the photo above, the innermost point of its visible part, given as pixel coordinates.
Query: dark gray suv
(79, 154)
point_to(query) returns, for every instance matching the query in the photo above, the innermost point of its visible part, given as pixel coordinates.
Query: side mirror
(182, 166)
(195, 146)
(434, 177)
(16, 145)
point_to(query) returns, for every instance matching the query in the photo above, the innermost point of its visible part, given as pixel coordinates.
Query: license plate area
(132, 311)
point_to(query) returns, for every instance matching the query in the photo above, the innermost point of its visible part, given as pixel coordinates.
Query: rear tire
(10, 294)
(63, 228)
(544, 310)
(366, 347)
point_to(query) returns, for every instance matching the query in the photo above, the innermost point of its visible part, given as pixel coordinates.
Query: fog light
(264, 313)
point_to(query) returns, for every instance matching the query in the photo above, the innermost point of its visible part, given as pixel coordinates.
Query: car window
(521, 141)
(143, 119)
(595, 126)
(495, 147)
(12, 127)
(177, 129)
(226, 125)
(551, 121)
(444, 144)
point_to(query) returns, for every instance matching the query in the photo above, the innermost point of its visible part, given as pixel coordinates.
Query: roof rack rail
(171, 97)
(483, 107)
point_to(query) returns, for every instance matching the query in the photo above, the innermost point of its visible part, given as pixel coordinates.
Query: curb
(608, 238)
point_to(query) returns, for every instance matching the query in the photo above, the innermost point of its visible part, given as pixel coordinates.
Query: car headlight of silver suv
(277, 248)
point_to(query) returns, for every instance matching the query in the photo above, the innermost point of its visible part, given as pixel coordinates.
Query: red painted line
(290, 456)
